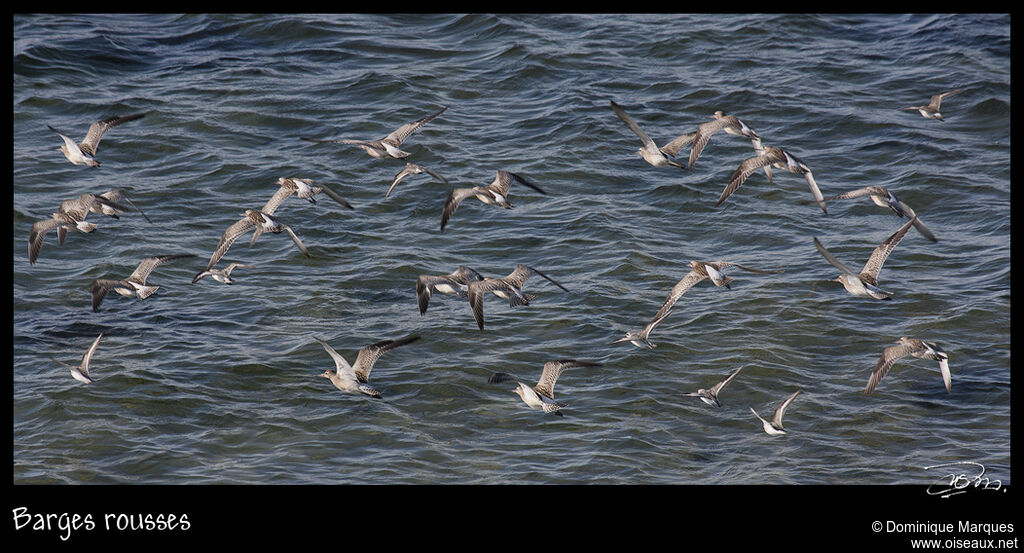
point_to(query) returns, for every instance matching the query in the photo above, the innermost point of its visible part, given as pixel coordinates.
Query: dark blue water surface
(206, 383)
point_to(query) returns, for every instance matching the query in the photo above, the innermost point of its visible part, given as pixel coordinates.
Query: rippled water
(206, 383)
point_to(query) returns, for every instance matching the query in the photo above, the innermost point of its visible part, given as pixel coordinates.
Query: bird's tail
(554, 407)
(524, 298)
(369, 390)
(146, 291)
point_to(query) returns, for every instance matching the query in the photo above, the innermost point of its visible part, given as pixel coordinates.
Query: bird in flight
(494, 193)
(730, 124)
(699, 270)
(931, 111)
(412, 169)
(884, 197)
(780, 159)
(658, 157)
(509, 288)
(710, 396)
(774, 427)
(84, 152)
(542, 396)
(456, 283)
(355, 378)
(70, 215)
(865, 283)
(252, 219)
(909, 346)
(134, 285)
(81, 372)
(387, 147)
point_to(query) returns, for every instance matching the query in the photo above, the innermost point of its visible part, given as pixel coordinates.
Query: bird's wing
(522, 272)
(519, 275)
(750, 269)
(78, 207)
(703, 135)
(815, 191)
(518, 179)
(338, 141)
(99, 290)
(552, 369)
(502, 182)
(113, 195)
(283, 193)
(748, 167)
(92, 138)
(718, 387)
(881, 253)
(67, 141)
(106, 200)
(256, 234)
(648, 142)
(832, 259)
(435, 175)
(87, 357)
(230, 235)
(716, 275)
(291, 234)
(476, 291)
(369, 355)
(121, 196)
(758, 416)
(233, 266)
(498, 378)
(403, 132)
(342, 366)
(677, 291)
(661, 315)
(97, 129)
(944, 370)
(335, 196)
(464, 274)
(937, 99)
(36, 235)
(885, 361)
(680, 142)
(424, 283)
(918, 223)
(455, 197)
(406, 171)
(781, 409)
(853, 194)
(150, 263)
